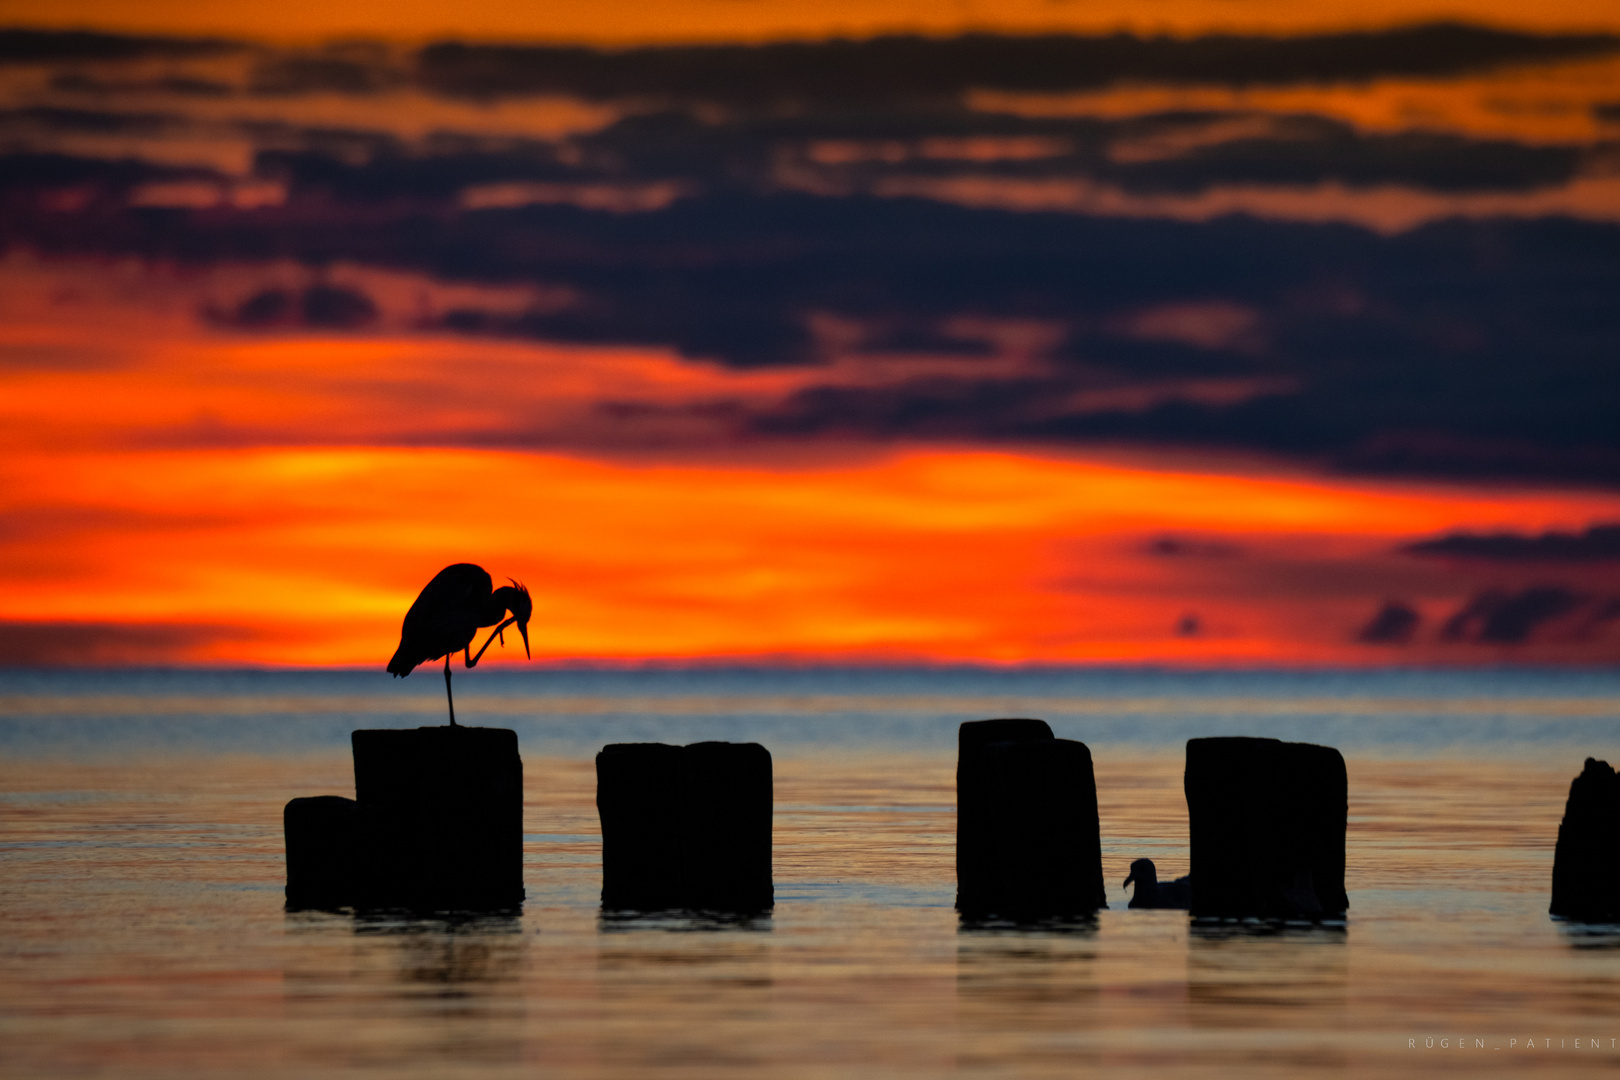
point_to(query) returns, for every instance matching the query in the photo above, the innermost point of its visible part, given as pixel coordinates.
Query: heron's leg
(474, 660)
(448, 695)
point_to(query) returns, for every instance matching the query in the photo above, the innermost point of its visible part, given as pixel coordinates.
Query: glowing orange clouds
(178, 493)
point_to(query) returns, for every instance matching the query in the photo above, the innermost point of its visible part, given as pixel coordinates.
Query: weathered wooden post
(437, 824)
(1586, 862)
(1028, 844)
(638, 797)
(448, 811)
(685, 827)
(324, 851)
(1267, 822)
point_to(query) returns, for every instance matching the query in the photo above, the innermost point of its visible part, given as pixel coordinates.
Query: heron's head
(521, 607)
(1143, 872)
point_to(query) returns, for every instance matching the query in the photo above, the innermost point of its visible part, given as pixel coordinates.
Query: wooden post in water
(1028, 843)
(685, 827)
(638, 798)
(436, 825)
(448, 806)
(324, 850)
(1586, 862)
(1267, 823)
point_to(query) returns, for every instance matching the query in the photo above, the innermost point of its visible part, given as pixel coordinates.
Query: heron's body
(447, 615)
(1153, 893)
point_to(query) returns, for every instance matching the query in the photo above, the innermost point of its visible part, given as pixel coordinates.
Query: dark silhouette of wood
(436, 825)
(1028, 844)
(1586, 862)
(1267, 823)
(447, 614)
(325, 840)
(1153, 893)
(638, 797)
(449, 804)
(726, 826)
(685, 827)
(976, 837)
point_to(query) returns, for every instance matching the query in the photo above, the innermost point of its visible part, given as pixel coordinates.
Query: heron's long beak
(1127, 881)
(521, 608)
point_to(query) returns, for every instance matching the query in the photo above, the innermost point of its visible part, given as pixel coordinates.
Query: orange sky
(171, 491)
(280, 499)
(928, 554)
(636, 21)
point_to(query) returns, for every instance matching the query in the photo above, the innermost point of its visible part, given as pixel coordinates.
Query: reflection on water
(1015, 988)
(1578, 936)
(1011, 970)
(448, 987)
(1083, 926)
(1288, 976)
(694, 998)
(620, 922)
(680, 968)
(142, 933)
(452, 954)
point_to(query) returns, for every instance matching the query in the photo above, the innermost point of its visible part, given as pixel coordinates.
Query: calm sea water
(142, 931)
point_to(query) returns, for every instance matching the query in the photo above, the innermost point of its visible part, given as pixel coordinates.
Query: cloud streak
(1599, 543)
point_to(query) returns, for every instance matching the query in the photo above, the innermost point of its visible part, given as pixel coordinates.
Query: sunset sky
(1081, 348)
(650, 21)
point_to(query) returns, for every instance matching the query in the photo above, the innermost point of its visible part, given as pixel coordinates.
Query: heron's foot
(472, 661)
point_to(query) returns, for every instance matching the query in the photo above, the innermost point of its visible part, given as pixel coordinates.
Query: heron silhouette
(447, 616)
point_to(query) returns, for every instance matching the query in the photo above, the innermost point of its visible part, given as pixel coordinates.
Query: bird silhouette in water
(1153, 893)
(447, 616)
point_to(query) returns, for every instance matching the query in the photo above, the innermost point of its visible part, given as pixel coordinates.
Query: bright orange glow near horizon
(933, 555)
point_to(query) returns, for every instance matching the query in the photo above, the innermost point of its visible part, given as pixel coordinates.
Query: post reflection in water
(1293, 976)
(454, 981)
(450, 956)
(687, 989)
(1022, 992)
(620, 922)
(1592, 938)
(1017, 970)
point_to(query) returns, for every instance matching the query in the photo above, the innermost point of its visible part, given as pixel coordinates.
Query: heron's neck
(494, 608)
(499, 603)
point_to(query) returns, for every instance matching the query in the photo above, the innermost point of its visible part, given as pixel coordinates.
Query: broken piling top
(448, 806)
(1266, 822)
(973, 735)
(1027, 839)
(1586, 863)
(685, 826)
(325, 839)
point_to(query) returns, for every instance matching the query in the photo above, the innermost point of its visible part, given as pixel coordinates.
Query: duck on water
(1153, 893)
